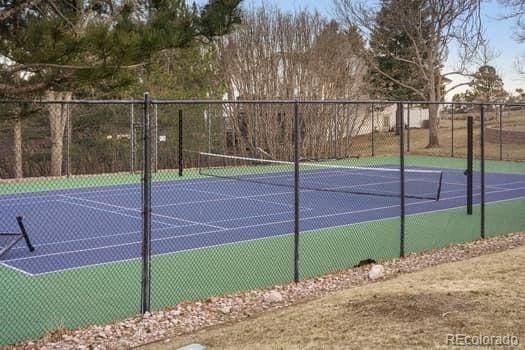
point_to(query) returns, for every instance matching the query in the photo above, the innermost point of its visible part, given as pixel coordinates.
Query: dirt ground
(414, 311)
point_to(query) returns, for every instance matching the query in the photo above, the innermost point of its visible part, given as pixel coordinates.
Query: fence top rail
(342, 101)
(75, 102)
(266, 101)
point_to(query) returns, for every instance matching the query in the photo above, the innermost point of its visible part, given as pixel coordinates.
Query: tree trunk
(17, 146)
(57, 124)
(433, 126)
(399, 118)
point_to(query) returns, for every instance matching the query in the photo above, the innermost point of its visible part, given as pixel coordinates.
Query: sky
(499, 33)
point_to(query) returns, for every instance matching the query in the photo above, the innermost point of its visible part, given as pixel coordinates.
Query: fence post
(373, 131)
(209, 129)
(336, 143)
(132, 139)
(452, 132)
(482, 145)
(408, 127)
(500, 132)
(146, 207)
(470, 156)
(402, 184)
(296, 190)
(181, 135)
(156, 143)
(68, 146)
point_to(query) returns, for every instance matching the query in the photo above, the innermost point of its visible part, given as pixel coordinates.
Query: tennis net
(324, 176)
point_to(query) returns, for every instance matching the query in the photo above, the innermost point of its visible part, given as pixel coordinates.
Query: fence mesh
(85, 228)
(234, 204)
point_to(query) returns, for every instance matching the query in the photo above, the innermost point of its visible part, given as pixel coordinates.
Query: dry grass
(413, 311)
(388, 143)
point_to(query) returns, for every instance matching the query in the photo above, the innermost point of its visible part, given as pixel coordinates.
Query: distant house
(385, 119)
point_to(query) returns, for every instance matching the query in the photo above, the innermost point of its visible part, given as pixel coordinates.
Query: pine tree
(391, 49)
(61, 46)
(389, 46)
(487, 85)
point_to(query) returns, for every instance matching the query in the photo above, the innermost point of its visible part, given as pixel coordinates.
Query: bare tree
(286, 56)
(432, 27)
(515, 10)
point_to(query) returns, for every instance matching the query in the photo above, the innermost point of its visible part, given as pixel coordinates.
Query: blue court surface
(82, 227)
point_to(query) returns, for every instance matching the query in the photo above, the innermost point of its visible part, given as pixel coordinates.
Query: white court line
(113, 212)
(252, 199)
(30, 203)
(275, 223)
(139, 211)
(302, 190)
(107, 236)
(254, 196)
(17, 269)
(173, 183)
(182, 226)
(509, 183)
(218, 199)
(249, 240)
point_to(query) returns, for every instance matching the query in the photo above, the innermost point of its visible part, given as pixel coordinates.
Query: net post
(19, 220)
(146, 208)
(482, 145)
(468, 172)
(181, 135)
(296, 190)
(500, 132)
(132, 139)
(402, 185)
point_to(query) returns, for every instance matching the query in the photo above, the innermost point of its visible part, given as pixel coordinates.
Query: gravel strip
(188, 317)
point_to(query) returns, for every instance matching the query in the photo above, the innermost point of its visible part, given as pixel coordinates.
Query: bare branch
(453, 87)
(37, 66)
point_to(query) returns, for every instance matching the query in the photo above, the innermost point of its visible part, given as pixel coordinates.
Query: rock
(377, 271)
(176, 312)
(272, 297)
(225, 309)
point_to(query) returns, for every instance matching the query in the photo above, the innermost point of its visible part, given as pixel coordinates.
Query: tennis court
(229, 223)
(101, 224)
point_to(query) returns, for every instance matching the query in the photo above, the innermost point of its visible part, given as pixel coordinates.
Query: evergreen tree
(61, 46)
(391, 49)
(487, 85)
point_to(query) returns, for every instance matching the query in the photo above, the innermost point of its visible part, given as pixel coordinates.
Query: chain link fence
(137, 205)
